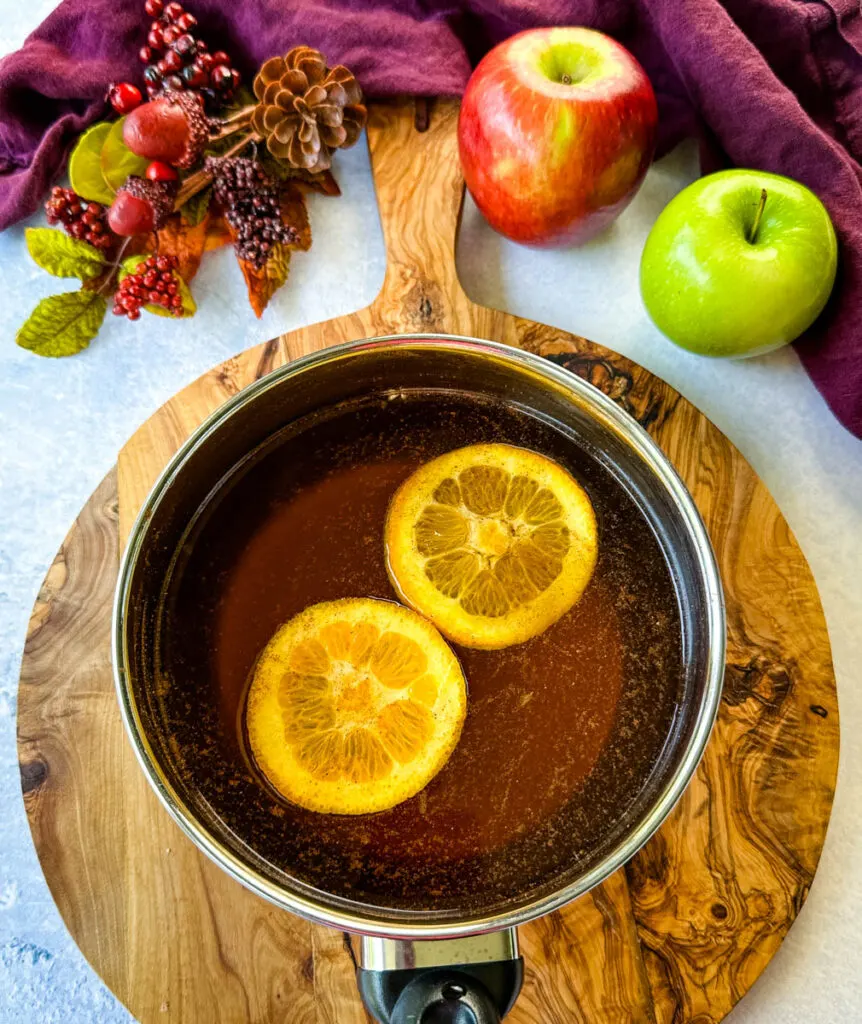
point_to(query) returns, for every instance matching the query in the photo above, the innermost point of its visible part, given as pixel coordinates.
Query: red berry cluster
(177, 60)
(153, 282)
(87, 221)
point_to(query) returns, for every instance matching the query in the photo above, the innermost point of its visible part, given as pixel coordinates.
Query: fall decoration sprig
(196, 167)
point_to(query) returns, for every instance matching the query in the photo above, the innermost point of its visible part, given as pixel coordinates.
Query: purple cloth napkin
(771, 84)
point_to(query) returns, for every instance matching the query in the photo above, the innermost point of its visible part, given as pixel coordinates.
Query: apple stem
(755, 227)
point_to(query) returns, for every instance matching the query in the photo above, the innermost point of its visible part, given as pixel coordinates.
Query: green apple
(738, 263)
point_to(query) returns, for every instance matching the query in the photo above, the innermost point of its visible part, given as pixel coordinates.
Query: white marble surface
(62, 422)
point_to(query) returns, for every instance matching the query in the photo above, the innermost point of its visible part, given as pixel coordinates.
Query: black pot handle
(445, 997)
(439, 993)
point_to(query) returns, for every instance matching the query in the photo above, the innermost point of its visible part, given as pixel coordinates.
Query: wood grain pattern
(678, 936)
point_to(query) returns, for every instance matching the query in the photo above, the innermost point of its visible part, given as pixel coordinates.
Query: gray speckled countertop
(62, 422)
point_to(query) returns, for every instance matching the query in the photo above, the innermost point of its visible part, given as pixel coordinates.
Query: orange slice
(355, 706)
(492, 543)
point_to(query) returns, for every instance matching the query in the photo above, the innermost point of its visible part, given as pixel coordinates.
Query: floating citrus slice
(492, 543)
(355, 706)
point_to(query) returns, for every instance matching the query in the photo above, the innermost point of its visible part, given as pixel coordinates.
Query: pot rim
(305, 906)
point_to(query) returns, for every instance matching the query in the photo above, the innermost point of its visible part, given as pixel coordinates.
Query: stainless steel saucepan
(436, 962)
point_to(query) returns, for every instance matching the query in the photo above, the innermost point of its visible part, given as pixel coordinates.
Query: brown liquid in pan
(562, 732)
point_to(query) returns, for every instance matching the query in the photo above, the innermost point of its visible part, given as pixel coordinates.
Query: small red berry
(195, 76)
(145, 54)
(220, 57)
(160, 171)
(162, 67)
(185, 45)
(124, 97)
(202, 46)
(154, 8)
(235, 78)
(171, 34)
(172, 288)
(164, 263)
(77, 230)
(174, 82)
(186, 22)
(221, 77)
(172, 61)
(205, 60)
(155, 39)
(174, 11)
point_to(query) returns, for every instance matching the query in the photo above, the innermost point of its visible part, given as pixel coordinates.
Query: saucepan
(450, 953)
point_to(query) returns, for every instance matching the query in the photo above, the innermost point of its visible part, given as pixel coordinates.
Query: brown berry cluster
(154, 283)
(176, 59)
(249, 199)
(83, 220)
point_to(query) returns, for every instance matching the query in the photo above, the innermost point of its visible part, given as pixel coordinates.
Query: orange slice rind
(354, 706)
(491, 542)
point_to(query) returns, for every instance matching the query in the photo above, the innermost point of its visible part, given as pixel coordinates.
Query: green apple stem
(755, 227)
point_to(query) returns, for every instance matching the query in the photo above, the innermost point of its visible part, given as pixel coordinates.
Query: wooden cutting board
(677, 936)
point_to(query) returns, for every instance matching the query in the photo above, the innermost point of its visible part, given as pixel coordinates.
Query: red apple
(556, 132)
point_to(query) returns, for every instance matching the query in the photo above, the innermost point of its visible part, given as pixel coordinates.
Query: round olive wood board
(679, 935)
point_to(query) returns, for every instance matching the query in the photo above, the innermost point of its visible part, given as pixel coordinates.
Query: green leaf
(242, 98)
(85, 168)
(131, 264)
(194, 211)
(63, 256)
(62, 325)
(117, 160)
(274, 168)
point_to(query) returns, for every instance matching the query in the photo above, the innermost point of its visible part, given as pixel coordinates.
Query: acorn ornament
(172, 129)
(305, 109)
(141, 206)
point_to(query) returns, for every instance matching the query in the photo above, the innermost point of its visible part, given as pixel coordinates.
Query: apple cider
(562, 732)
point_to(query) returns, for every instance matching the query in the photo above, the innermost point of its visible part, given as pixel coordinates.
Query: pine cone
(305, 109)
